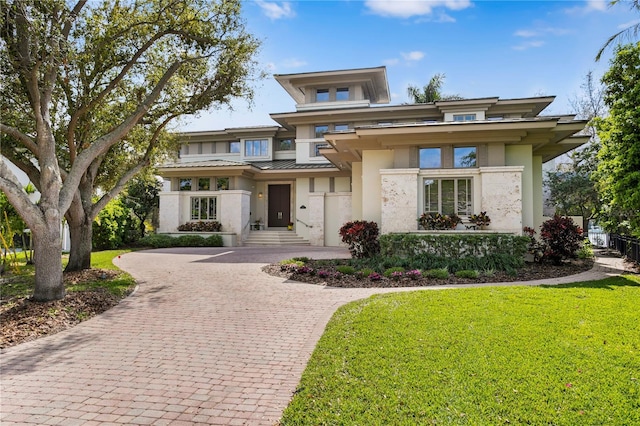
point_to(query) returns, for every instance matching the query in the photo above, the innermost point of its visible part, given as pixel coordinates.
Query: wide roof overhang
(549, 137)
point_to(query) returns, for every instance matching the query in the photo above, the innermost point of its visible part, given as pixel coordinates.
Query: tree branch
(16, 195)
(20, 137)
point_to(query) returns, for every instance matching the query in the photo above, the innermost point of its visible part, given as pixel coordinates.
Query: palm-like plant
(630, 32)
(432, 92)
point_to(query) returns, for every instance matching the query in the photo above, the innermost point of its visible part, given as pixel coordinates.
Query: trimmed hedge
(164, 241)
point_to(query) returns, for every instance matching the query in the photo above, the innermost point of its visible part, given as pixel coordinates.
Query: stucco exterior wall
(302, 199)
(169, 212)
(234, 213)
(356, 191)
(372, 163)
(399, 200)
(502, 197)
(538, 201)
(316, 218)
(337, 212)
(521, 155)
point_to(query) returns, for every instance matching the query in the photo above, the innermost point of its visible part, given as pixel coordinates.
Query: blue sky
(485, 48)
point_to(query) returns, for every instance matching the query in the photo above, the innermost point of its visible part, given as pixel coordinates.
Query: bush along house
(344, 154)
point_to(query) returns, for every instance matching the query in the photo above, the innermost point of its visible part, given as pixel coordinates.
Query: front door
(279, 205)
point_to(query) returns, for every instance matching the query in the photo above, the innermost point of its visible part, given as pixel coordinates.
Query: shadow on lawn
(605, 284)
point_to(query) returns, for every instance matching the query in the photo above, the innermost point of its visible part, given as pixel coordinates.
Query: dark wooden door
(279, 205)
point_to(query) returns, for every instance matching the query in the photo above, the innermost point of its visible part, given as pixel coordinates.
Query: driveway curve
(206, 339)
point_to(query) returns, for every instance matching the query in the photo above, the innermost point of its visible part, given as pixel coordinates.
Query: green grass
(21, 285)
(561, 355)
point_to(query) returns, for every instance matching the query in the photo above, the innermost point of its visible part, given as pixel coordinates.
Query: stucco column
(372, 162)
(169, 212)
(502, 197)
(316, 218)
(234, 210)
(399, 197)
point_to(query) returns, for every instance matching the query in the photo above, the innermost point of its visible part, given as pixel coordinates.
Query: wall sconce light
(303, 207)
(259, 194)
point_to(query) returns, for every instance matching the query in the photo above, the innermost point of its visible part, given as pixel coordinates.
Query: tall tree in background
(142, 197)
(628, 33)
(432, 92)
(571, 189)
(618, 173)
(97, 82)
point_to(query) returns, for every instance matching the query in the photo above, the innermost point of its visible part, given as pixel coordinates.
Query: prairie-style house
(346, 154)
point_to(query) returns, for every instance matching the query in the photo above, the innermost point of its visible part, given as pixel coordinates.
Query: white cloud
(589, 6)
(629, 24)
(541, 32)
(276, 10)
(529, 45)
(409, 8)
(412, 56)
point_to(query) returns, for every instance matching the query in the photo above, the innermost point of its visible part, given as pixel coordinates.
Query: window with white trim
(320, 130)
(464, 117)
(342, 94)
(430, 158)
(185, 184)
(322, 95)
(204, 208)
(256, 148)
(448, 196)
(234, 147)
(464, 157)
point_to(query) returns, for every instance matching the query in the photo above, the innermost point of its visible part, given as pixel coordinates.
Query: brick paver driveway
(207, 338)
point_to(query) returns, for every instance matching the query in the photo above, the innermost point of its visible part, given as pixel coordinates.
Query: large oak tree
(88, 90)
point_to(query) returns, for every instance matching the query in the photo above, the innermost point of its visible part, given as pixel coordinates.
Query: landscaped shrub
(189, 241)
(586, 251)
(562, 237)
(365, 272)
(361, 237)
(467, 273)
(201, 226)
(534, 247)
(114, 227)
(440, 273)
(157, 241)
(213, 241)
(346, 269)
(393, 272)
(437, 221)
(482, 220)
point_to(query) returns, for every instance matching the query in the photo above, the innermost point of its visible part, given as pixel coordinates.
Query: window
(464, 157)
(448, 196)
(234, 147)
(284, 145)
(322, 95)
(222, 184)
(317, 147)
(430, 158)
(185, 184)
(320, 130)
(342, 94)
(340, 127)
(203, 208)
(464, 117)
(204, 184)
(256, 148)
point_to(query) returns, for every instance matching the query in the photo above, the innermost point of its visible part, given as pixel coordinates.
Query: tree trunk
(81, 234)
(47, 251)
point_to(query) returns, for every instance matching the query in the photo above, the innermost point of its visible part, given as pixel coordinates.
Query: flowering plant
(374, 276)
(413, 274)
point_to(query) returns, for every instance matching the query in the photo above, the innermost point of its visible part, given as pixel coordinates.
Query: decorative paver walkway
(206, 339)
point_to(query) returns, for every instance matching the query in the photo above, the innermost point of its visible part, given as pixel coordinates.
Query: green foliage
(189, 241)
(156, 241)
(362, 238)
(586, 251)
(364, 273)
(437, 221)
(142, 197)
(213, 241)
(453, 246)
(618, 174)
(482, 219)
(439, 273)
(390, 271)
(431, 92)
(557, 355)
(114, 227)
(467, 273)
(346, 269)
(164, 241)
(302, 259)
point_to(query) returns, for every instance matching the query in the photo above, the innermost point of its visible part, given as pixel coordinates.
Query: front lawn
(562, 355)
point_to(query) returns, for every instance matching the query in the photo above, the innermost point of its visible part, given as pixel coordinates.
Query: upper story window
(222, 183)
(204, 184)
(256, 148)
(322, 95)
(285, 145)
(340, 127)
(320, 130)
(234, 147)
(430, 158)
(317, 147)
(185, 184)
(464, 157)
(342, 94)
(464, 117)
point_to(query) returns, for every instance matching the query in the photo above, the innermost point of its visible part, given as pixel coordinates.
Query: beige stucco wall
(302, 199)
(356, 191)
(501, 197)
(337, 212)
(538, 201)
(233, 212)
(521, 155)
(399, 197)
(169, 212)
(316, 218)
(372, 163)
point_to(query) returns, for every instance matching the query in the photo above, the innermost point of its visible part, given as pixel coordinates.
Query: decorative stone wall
(502, 197)
(316, 218)
(399, 198)
(169, 212)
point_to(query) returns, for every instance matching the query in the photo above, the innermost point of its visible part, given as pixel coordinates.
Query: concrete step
(274, 238)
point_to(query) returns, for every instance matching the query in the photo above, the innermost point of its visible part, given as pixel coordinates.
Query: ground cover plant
(562, 355)
(88, 293)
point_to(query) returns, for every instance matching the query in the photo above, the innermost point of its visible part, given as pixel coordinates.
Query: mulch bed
(531, 271)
